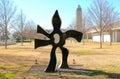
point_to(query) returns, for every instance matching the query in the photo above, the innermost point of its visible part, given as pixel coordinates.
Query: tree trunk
(21, 40)
(83, 39)
(5, 43)
(87, 38)
(5, 37)
(100, 39)
(110, 38)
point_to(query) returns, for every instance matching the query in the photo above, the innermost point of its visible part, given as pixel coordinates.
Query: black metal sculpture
(59, 43)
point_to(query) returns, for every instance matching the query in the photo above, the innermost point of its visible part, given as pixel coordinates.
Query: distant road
(8, 43)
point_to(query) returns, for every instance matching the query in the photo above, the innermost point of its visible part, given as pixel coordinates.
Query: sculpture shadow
(90, 72)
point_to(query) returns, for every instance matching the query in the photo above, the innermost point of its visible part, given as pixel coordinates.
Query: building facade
(79, 19)
(106, 35)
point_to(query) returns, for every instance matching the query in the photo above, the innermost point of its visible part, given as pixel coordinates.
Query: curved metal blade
(56, 21)
(52, 62)
(40, 30)
(39, 43)
(65, 53)
(74, 34)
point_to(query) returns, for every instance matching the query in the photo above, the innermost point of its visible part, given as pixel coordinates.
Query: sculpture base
(72, 69)
(37, 68)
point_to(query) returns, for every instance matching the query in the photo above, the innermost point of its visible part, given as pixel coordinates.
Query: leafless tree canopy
(102, 13)
(30, 30)
(20, 25)
(7, 11)
(86, 23)
(24, 28)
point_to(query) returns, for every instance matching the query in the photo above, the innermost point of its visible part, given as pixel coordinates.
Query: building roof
(79, 7)
(94, 29)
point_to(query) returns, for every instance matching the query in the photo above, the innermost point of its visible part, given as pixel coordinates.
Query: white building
(106, 36)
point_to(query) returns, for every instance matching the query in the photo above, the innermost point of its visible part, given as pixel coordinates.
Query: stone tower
(79, 19)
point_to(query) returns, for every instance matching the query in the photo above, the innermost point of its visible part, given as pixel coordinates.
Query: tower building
(79, 19)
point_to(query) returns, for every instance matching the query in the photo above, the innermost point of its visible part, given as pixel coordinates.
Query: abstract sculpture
(56, 34)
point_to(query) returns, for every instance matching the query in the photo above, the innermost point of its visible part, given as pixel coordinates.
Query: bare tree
(112, 17)
(30, 29)
(20, 25)
(7, 11)
(97, 13)
(86, 23)
(72, 25)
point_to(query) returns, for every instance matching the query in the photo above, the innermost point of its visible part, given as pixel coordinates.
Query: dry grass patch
(18, 59)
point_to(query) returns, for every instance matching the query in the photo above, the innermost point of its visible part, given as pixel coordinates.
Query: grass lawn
(17, 60)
